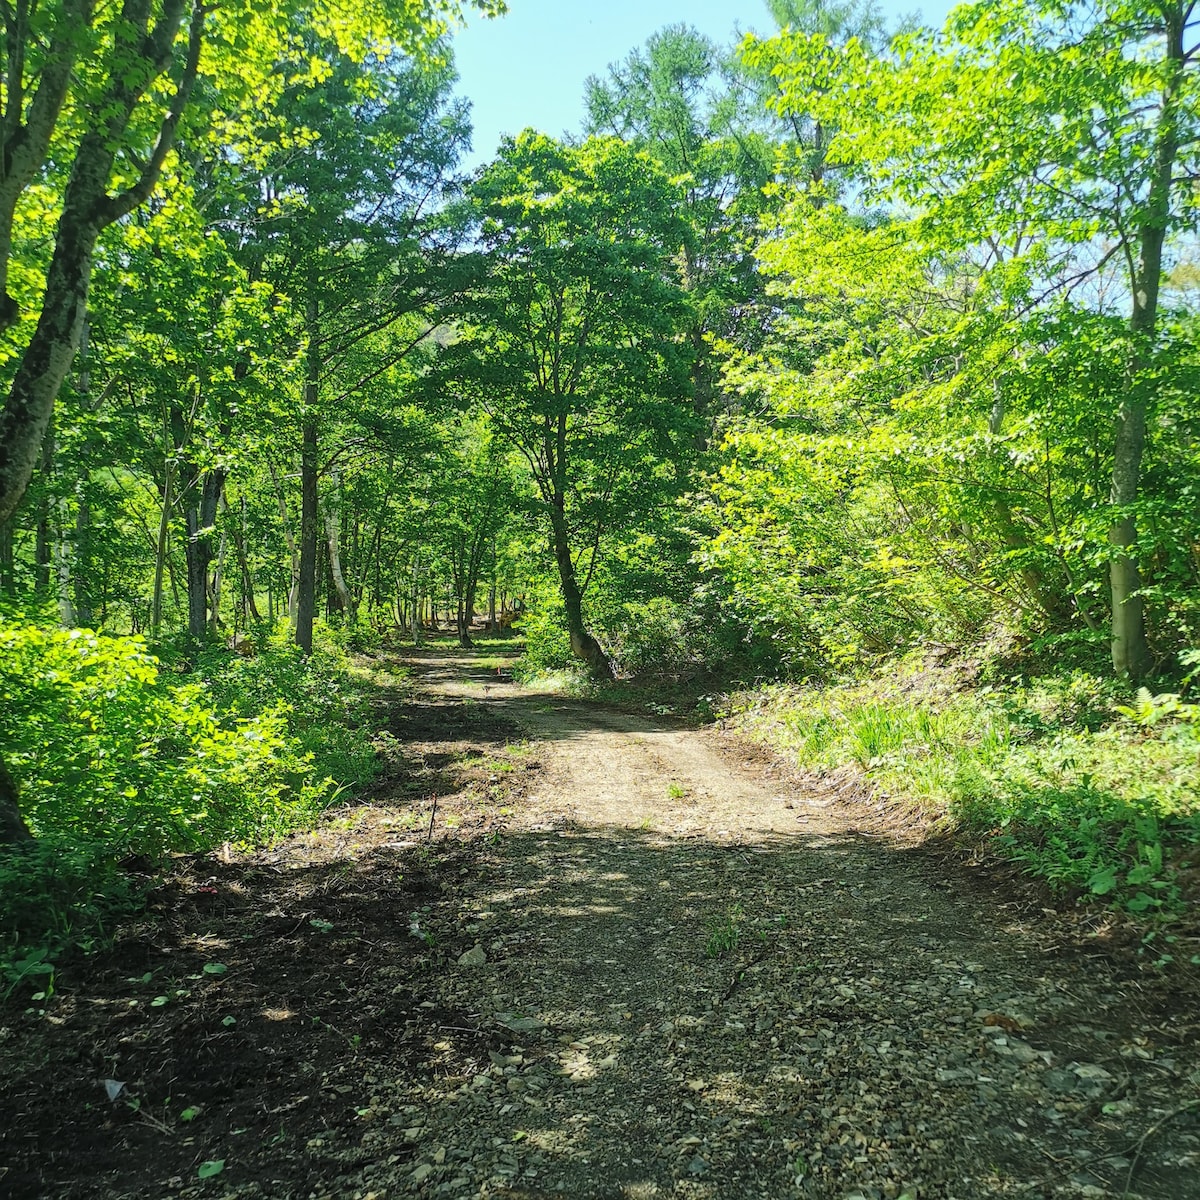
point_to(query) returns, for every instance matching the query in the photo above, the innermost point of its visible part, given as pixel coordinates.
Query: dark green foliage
(55, 894)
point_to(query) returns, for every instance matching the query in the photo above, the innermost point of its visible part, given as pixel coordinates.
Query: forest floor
(616, 957)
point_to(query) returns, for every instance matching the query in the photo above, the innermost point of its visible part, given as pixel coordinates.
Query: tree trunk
(160, 552)
(47, 359)
(43, 539)
(87, 209)
(417, 634)
(583, 644)
(469, 613)
(1130, 648)
(333, 522)
(13, 830)
(293, 551)
(200, 493)
(82, 576)
(492, 626)
(306, 584)
(239, 544)
(218, 578)
(62, 567)
(6, 558)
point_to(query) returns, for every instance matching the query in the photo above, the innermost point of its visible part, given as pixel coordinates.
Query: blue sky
(528, 67)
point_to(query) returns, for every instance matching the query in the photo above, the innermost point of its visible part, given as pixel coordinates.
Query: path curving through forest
(615, 958)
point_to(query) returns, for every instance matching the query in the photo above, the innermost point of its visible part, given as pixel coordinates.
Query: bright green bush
(118, 755)
(547, 644)
(109, 749)
(327, 707)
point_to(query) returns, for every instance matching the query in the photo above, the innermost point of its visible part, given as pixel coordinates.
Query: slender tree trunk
(200, 513)
(469, 612)
(200, 493)
(583, 644)
(293, 551)
(492, 626)
(1130, 647)
(333, 523)
(418, 636)
(82, 576)
(218, 578)
(239, 543)
(306, 589)
(63, 553)
(160, 550)
(43, 539)
(6, 558)
(306, 584)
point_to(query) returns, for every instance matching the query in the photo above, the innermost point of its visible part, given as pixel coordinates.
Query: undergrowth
(1099, 798)
(122, 756)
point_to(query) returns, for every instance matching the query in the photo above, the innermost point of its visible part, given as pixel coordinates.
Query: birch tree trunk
(333, 524)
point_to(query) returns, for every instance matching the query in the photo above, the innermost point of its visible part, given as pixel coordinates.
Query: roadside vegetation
(1096, 794)
(128, 758)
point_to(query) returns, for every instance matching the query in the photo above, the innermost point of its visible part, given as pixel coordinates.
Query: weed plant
(1096, 797)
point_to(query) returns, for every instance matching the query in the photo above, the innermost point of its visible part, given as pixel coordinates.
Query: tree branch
(125, 202)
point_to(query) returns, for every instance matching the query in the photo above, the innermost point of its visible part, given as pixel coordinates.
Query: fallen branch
(1136, 1149)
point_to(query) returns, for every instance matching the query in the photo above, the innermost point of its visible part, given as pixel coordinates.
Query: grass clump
(1099, 798)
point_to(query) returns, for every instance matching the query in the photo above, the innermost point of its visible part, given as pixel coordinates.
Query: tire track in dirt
(621, 960)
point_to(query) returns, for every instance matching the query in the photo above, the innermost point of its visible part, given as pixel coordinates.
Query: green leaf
(213, 1167)
(1103, 881)
(215, 968)
(189, 1114)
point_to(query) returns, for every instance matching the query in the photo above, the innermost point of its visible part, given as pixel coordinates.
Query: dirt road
(617, 960)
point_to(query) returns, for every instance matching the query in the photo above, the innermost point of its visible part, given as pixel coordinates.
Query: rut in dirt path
(690, 981)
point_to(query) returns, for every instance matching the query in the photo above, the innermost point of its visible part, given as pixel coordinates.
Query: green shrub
(651, 634)
(117, 755)
(547, 643)
(327, 708)
(108, 749)
(55, 893)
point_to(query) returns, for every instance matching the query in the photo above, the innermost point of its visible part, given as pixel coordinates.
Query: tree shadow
(656, 1015)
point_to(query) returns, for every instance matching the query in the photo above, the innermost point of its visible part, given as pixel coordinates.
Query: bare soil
(565, 949)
